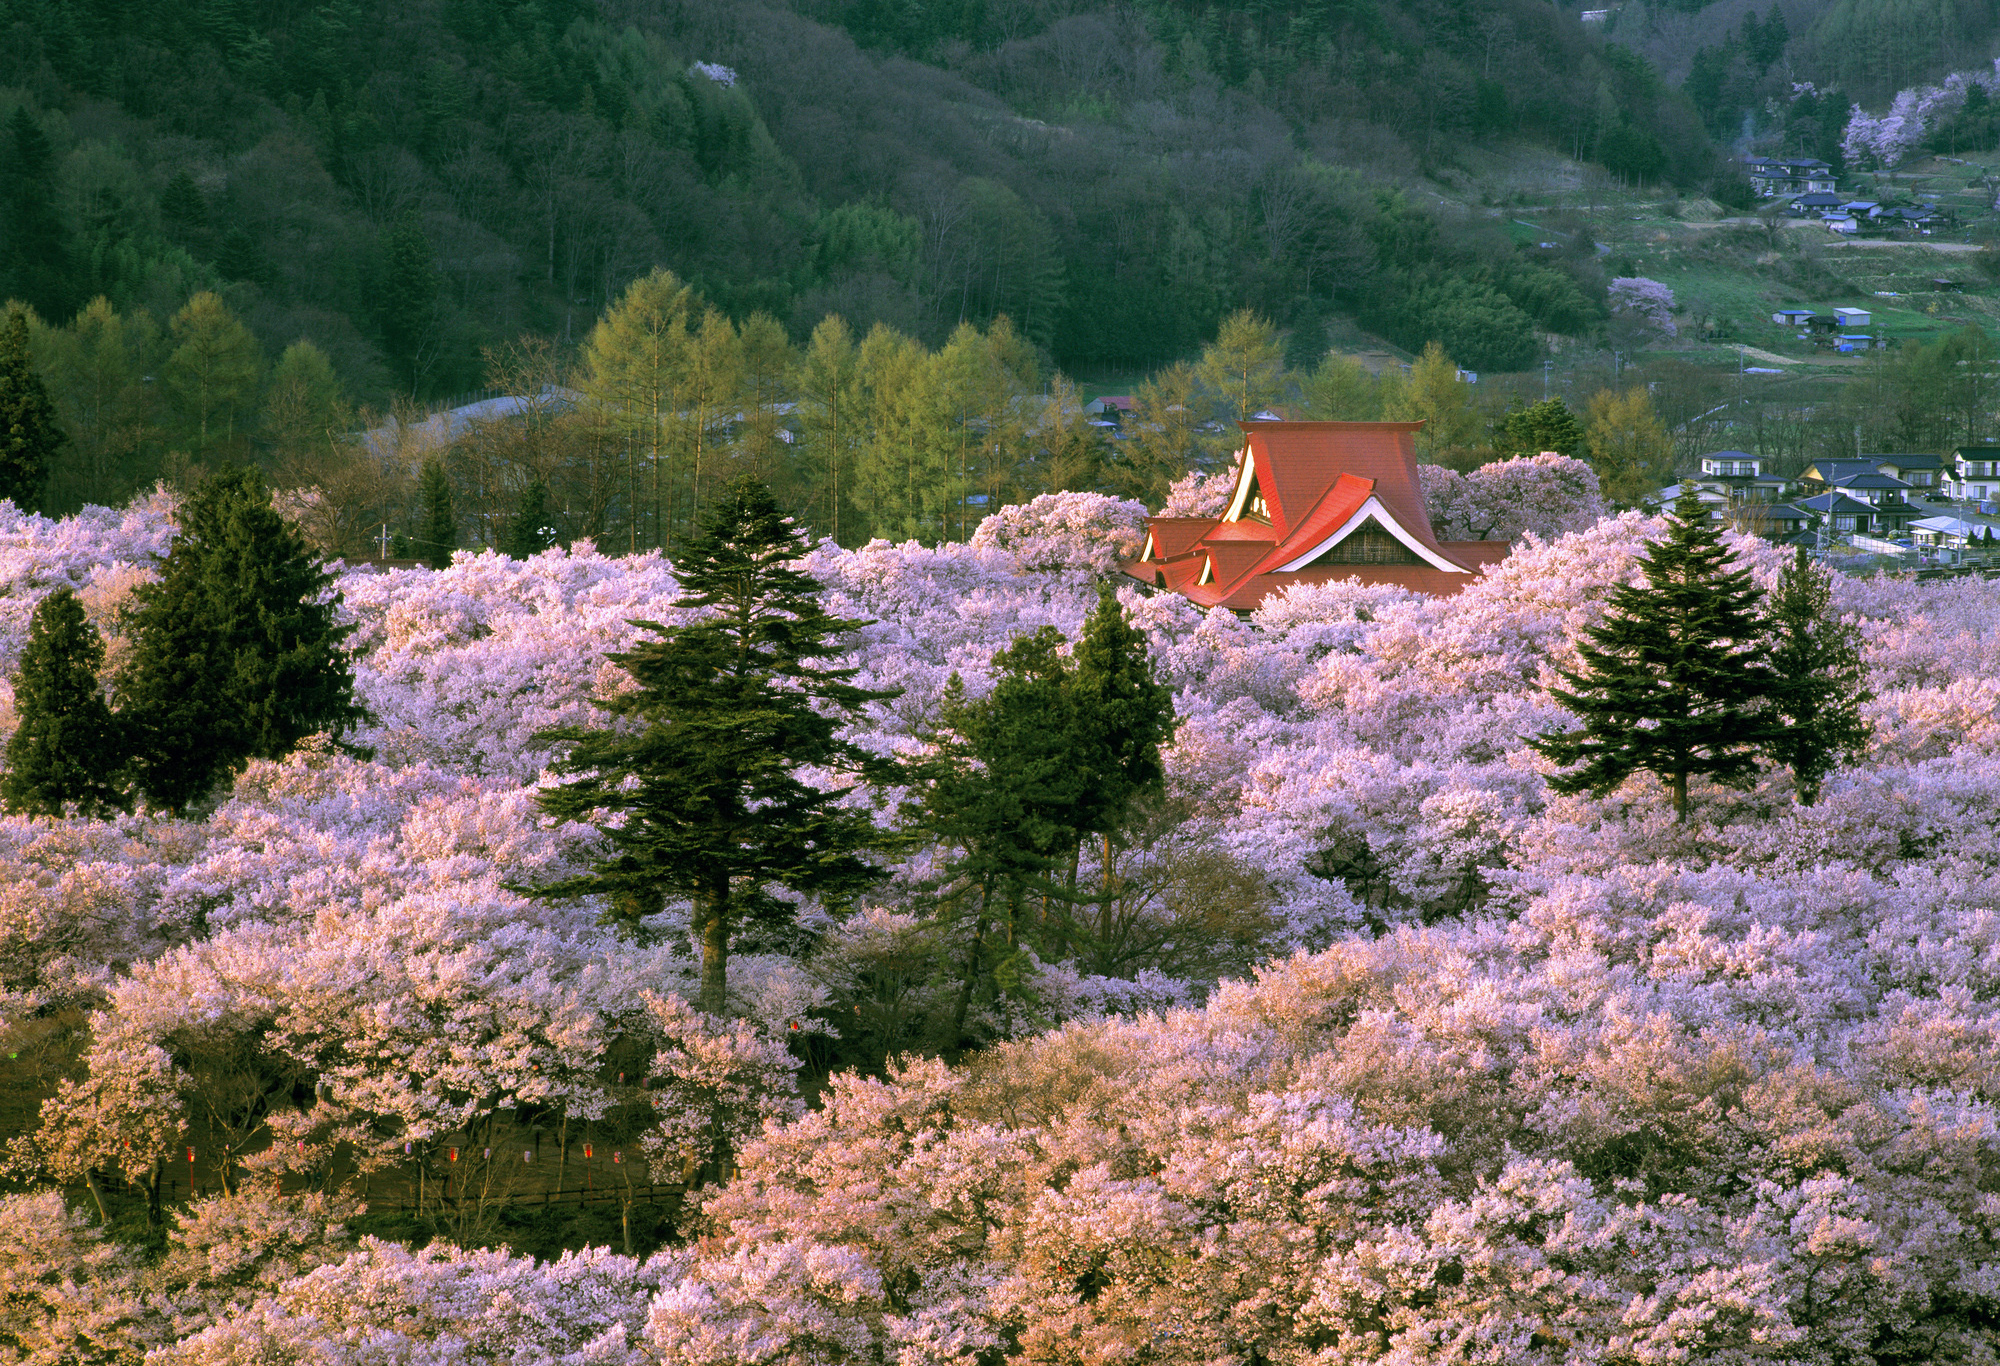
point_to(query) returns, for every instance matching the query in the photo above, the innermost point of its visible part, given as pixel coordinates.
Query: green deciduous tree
(635, 371)
(437, 527)
(1629, 445)
(211, 375)
(705, 785)
(1676, 679)
(66, 753)
(1244, 365)
(1820, 684)
(1435, 396)
(30, 436)
(236, 648)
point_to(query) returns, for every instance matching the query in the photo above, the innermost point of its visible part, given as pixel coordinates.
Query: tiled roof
(1320, 482)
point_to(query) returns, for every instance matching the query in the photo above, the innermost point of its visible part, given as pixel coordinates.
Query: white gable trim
(1244, 482)
(1207, 571)
(1147, 553)
(1373, 508)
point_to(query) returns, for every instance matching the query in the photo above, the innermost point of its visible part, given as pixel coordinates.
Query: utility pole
(1545, 379)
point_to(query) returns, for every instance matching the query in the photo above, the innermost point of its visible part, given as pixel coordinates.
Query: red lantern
(454, 1154)
(190, 1157)
(617, 1157)
(586, 1152)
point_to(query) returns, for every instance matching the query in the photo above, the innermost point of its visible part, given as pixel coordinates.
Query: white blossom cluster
(1523, 1078)
(1911, 117)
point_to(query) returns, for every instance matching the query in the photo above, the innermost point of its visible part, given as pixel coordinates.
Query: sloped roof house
(1313, 502)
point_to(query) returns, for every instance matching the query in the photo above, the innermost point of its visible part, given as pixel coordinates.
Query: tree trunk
(103, 1214)
(715, 953)
(1681, 796)
(971, 968)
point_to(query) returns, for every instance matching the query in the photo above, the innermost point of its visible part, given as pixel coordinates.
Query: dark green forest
(409, 185)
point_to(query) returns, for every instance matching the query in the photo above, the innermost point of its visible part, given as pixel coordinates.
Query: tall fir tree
(1059, 749)
(533, 527)
(34, 246)
(237, 648)
(1545, 426)
(407, 294)
(437, 534)
(30, 435)
(1676, 680)
(705, 786)
(66, 752)
(1821, 685)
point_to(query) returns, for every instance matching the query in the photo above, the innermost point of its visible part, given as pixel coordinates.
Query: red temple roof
(1313, 502)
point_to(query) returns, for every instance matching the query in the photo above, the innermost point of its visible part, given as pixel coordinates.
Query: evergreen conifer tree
(66, 752)
(1545, 426)
(34, 244)
(236, 648)
(437, 536)
(1059, 749)
(1820, 683)
(532, 529)
(1676, 680)
(729, 708)
(30, 436)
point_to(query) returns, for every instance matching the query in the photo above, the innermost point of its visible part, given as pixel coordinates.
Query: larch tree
(1244, 365)
(237, 648)
(1629, 445)
(1676, 679)
(635, 371)
(1821, 684)
(65, 755)
(705, 785)
(30, 435)
(833, 410)
(437, 529)
(212, 373)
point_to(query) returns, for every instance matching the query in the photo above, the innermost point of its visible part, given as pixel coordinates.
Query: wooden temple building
(1314, 501)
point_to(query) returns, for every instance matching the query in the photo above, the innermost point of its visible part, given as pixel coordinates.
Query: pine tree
(1821, 685)
(66, 752)
(437, 535)
(728, 709)
(532, 529)
(1676, 680)
(236, 649)
(30, 436)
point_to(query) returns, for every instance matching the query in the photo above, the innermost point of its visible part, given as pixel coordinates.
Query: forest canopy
(406, 185)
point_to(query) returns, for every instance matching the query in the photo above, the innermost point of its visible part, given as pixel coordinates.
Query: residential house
(1809, 205)
(1920, 472)
(1865, 481)
(1314, 502)
(1974, 473)
(1777, 177)
(1839, 514)
(1792, 317)
(1780, 522)
(1112, 408)
(1851, 318)
(1741, 476)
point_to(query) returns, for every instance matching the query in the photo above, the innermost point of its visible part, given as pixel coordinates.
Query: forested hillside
(406, 185)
